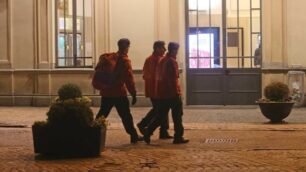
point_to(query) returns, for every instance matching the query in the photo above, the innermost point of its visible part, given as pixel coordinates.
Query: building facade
(230, 49)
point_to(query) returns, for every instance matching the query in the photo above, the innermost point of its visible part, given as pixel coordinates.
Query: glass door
(223, 56)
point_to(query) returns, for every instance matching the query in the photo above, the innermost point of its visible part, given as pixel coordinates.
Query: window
(74, 33)
(205, 24)
(203, 5)
(204, 50)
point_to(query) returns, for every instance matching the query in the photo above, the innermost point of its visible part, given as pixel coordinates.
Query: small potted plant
(277, 104)
(70, 129)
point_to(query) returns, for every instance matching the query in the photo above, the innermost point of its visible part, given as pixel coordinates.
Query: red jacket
(124, 80)
(167, 78)
(149, 75)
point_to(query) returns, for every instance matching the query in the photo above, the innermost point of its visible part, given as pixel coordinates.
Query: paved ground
(222, 139)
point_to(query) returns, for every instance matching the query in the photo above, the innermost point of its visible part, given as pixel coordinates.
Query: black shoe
(147, 139)
(180, 141)
(141, 129)
(136, 139)
(165, 136)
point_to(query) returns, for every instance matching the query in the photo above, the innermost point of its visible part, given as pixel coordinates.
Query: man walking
(169, 95)
(149, 76)
(116, 78)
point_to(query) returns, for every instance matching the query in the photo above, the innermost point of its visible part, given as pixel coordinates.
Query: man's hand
(134, 99)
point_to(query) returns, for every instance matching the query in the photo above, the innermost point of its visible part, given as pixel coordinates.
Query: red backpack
(102, 77)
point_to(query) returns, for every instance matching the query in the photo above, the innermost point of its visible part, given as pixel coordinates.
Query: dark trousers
(151, 115)
(163, 107)
(123, 108)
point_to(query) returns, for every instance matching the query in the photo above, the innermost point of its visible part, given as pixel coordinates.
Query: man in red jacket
(149, 70)
(114, 93)
(168, 95)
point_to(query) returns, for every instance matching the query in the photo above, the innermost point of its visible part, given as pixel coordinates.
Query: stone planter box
(72, 142)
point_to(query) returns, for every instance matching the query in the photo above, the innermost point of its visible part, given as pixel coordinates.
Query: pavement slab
(233, 139)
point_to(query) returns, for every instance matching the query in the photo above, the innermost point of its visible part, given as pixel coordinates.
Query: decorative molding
(101, 26)
(285, 33)
(93, 30)
(37, 45)
(107, 16)
(43, 65)
(36, 33)
(280, 70)
(42, 12)
(9, 33)
(5, 64)
(162, 12)
(156, 19)
(51, 33)
(4, 59)
(277, 20)
(9, 44)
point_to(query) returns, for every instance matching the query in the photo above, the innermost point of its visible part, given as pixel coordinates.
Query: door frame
(224, 68)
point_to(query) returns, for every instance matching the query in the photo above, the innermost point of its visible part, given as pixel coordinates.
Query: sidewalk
(225, 139)
(202, 115)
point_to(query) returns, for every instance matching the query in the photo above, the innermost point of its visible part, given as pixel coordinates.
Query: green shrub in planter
(70, 113)
(277, 91)
(277, 104)
(70, 128)
(69, 91)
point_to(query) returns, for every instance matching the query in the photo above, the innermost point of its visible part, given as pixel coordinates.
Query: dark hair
(173, 46)
(123, 43)
(158, 44)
